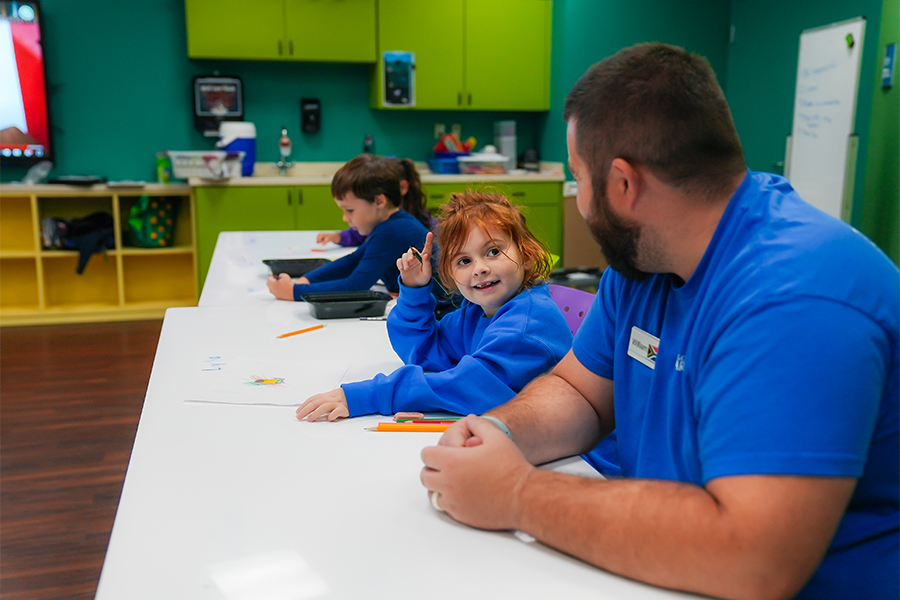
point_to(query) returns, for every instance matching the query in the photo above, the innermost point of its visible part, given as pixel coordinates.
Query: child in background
(507, 331)
(413, 201)
(368, 190)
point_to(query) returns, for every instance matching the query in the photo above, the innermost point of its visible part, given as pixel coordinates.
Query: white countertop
(320, 173)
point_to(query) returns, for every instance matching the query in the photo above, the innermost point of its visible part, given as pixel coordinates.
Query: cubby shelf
(39, 285)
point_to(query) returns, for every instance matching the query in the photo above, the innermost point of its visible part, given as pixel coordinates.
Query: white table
(232, 502)
(237, 274)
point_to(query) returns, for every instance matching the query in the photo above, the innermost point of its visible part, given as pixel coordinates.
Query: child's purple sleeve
(351, 237)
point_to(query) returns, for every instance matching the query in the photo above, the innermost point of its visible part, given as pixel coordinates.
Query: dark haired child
(368, 191)
(413, 202)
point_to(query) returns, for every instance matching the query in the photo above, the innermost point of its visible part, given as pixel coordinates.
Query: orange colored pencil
(411, 427)
(313, 328)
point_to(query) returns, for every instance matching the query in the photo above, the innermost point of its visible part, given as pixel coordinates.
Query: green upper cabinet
(469, 54)
(227, 29)
(291, 30)
(434, 32)
(508, 54)
(330, 30)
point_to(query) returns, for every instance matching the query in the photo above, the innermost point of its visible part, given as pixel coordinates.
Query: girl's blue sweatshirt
(466, 362)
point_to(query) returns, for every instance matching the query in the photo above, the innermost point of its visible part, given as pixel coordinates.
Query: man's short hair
(659, 107)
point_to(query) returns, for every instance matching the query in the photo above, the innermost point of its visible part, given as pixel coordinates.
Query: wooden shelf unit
(39, 285)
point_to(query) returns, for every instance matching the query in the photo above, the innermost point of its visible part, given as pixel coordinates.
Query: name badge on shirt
(643, 347)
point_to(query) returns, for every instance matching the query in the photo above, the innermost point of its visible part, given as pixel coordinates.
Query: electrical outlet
(456, 128)
(439, 130)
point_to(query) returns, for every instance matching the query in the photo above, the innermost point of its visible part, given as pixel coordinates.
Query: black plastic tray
(342, 305)
(294, 267)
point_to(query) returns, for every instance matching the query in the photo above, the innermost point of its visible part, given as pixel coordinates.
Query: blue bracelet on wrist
(500, 424)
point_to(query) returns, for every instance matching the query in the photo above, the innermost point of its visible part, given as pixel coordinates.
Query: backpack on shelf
(151, 222)
(89, 235)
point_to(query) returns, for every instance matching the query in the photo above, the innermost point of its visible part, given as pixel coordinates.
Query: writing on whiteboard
(815, 105)
(824, 113)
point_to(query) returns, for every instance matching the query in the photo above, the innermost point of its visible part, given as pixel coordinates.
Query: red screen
(24, 122)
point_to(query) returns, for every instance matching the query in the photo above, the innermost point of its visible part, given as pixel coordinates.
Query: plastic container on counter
(209, 164)
(484, 163)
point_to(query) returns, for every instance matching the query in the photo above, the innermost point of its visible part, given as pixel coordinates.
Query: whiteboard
(824, 113)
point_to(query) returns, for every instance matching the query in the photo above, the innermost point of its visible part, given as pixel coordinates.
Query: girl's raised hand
(415, 266)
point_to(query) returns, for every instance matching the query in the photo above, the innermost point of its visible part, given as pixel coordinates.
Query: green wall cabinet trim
(221, 208)
(470, 54)
(287, 30)
(541, 204)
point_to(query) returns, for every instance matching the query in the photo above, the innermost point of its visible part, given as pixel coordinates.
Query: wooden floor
(70, 400)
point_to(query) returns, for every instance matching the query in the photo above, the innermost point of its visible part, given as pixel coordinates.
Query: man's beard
(618, 239)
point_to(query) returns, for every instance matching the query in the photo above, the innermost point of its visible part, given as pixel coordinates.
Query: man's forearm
(550, 419)
(681, 536)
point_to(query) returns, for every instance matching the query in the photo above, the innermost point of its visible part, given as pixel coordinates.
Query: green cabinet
(540, 202)
(259, 208)
(469, 54)
(289, 30)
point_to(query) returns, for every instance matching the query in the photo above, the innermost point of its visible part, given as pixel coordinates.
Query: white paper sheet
(273, 382)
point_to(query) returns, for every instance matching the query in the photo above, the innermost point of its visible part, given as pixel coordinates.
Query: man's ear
(623, 184)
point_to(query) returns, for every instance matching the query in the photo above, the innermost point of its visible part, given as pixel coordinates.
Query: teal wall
(586, 31)
(121, 91)
(757, 70)
(762, 72)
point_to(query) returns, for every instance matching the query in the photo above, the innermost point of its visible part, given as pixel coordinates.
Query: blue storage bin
(444, 166)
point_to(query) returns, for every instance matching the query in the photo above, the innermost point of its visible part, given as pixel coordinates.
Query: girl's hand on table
(333, 403)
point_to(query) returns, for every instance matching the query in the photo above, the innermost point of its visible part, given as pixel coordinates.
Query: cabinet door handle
(518, 194)
(291, 47)
(436, 196)
(290, 201)
(280, 51)
(299, 197)
(470, 98)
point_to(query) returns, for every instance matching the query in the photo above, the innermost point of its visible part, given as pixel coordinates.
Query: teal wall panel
(762, 73)
(120, 91)
(586, 31)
